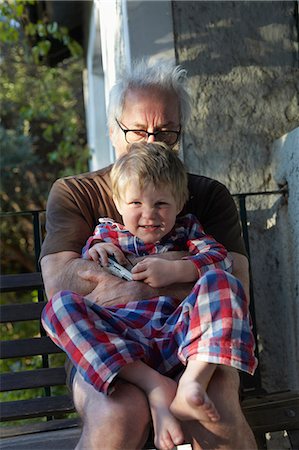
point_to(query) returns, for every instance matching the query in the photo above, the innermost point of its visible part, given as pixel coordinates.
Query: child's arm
(205, 252)
(102, 243)
(100, 250)
(159, 273)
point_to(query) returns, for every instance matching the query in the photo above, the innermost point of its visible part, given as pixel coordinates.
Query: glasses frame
(125, 131)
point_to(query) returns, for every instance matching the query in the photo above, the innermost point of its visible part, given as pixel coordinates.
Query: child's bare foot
(160, 391)
(168, 432)
(192, 402)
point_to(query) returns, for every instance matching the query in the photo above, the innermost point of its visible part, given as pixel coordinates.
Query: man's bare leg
(160, 392)
(120, 421)
(191, 400)
(231, 432)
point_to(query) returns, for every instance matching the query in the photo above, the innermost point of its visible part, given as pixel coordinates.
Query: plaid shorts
(211, 324)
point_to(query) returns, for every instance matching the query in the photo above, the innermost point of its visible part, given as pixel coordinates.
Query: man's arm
(241, 270)
(60, 272)
(67, 271)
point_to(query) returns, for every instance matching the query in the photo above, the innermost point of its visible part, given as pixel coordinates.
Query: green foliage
(42, 128)
(42, 137)
(15, 21)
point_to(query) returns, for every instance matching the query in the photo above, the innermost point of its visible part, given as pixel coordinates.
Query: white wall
(94, 96)
(120, 31)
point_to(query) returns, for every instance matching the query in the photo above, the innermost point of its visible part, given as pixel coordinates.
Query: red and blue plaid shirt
(187, 234)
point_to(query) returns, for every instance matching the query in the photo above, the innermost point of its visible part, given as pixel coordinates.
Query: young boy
(146, 342)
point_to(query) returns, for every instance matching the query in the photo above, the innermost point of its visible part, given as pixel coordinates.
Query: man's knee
(120, 420)
(225, 384)
(124, 405)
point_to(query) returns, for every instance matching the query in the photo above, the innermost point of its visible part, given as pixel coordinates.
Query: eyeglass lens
(169, 137)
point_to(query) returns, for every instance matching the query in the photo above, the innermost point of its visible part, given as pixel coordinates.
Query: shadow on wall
(214, 37)
(241, 59)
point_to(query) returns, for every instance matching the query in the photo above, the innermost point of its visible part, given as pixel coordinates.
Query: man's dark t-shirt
(75, 204)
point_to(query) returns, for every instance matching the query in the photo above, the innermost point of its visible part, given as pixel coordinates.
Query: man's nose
(151, 138)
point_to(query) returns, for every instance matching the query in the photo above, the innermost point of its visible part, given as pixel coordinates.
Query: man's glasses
(169, 137)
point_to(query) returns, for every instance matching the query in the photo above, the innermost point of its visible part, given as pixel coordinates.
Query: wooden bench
(265, 412)
(47, 406)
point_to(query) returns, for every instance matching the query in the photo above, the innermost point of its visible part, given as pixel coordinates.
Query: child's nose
(148, 211)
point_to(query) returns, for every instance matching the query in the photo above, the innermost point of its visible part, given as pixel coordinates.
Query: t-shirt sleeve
(69, 220)
(212, 204)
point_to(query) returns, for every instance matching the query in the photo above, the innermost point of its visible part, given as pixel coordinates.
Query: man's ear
(112, 135)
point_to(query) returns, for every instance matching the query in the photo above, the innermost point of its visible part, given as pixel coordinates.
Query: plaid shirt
(211, 324)
(187, 234)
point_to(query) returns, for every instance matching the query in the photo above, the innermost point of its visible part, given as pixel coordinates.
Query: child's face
(149, 213)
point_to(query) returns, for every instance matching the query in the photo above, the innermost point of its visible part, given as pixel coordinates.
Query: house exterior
(242, 63)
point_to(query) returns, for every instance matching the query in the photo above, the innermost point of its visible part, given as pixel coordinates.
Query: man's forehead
(152, 100)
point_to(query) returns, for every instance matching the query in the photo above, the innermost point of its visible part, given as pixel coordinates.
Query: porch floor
(68, 438)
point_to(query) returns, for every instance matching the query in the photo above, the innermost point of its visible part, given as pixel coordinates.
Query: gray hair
(145, 75)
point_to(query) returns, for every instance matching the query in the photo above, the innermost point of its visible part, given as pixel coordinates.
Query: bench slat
(273, 412)
(37, 407)
(55, 424)
(32, 379)
(22, 281)
(21, 311)
(28, 347)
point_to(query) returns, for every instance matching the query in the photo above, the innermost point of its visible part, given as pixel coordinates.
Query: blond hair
(150, 163)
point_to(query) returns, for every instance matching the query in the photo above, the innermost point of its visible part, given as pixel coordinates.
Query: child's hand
(155, 272)
(99, 252)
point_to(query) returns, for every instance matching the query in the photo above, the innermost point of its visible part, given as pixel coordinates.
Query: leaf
(30, 29)
(48, 133)
(41, 29)
(75, 48)
(52, 28)
(44, 47)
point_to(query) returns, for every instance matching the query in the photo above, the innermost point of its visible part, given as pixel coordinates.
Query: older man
(149, 104)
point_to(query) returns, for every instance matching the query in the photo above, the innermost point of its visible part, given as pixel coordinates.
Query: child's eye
(161, 203)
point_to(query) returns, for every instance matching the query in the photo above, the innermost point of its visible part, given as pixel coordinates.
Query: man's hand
(61, 272)
(67, 271)
(111, 290)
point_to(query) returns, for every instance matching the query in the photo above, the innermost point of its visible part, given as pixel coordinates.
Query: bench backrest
(45, 405)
